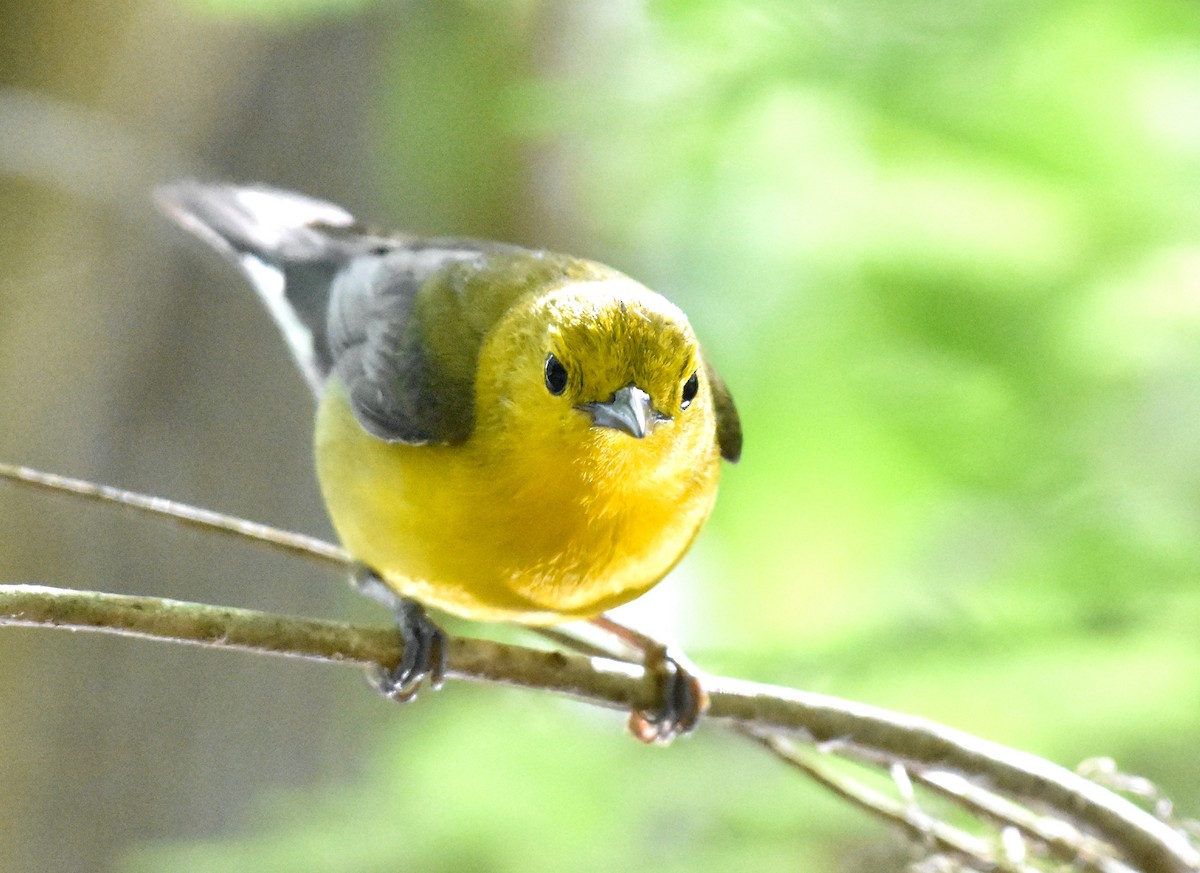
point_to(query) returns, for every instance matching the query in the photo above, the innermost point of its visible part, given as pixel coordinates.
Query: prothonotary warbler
(502, 433)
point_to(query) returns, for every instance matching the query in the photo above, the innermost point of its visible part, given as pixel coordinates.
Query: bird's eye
(690, 387)
(556, 375)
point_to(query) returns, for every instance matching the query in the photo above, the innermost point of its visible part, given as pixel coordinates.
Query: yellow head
(603, 374)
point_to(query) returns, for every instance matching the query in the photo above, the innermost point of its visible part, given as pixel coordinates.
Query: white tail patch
(269, 283)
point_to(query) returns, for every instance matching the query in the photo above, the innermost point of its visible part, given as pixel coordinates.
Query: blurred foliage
(947, 255)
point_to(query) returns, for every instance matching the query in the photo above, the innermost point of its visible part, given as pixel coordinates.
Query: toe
(682, 700)
(424, 655)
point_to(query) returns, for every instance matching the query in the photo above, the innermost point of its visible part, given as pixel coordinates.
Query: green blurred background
(946, 254)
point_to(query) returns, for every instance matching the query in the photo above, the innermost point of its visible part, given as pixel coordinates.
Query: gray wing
(400, 390)
(343, 298)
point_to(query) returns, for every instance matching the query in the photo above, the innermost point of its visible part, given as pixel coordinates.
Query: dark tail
(287, 245)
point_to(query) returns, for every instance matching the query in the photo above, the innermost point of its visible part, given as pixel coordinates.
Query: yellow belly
(499, 534)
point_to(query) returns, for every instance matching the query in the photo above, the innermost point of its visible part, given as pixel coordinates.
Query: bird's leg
(425, 647)
(682, 699)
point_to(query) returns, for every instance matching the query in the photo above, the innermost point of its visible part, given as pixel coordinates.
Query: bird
(503, 434)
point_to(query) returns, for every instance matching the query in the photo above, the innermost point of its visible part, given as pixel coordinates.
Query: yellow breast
(517, 527)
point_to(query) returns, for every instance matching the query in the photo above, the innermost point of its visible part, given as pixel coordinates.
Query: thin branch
(923, 828)
(882, 737)
(1061, 841)
(601, 681)
(1058, 839)
(192, 516)
(859, 730)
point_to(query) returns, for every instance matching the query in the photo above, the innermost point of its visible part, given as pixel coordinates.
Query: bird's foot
(677, 688)
(681, 696)
(425, 644)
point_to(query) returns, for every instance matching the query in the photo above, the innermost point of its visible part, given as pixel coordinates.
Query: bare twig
(863, 732)
(1061, 841)
(193, 516)
(921, 827)
(602, 681)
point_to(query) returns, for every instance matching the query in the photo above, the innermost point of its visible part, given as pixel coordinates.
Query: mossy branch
(1078, 820)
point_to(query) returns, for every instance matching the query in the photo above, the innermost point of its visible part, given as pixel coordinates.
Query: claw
(425, 647)
(682, 699)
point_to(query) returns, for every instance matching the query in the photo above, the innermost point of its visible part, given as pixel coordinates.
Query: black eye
(556, 375)
(690, 387)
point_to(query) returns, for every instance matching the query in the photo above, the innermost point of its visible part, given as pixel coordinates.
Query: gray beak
(629, 410)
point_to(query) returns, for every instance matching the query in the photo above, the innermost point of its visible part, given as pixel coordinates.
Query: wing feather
(343, 297)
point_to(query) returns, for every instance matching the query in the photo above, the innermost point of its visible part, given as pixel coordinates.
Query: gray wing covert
(381, 352)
